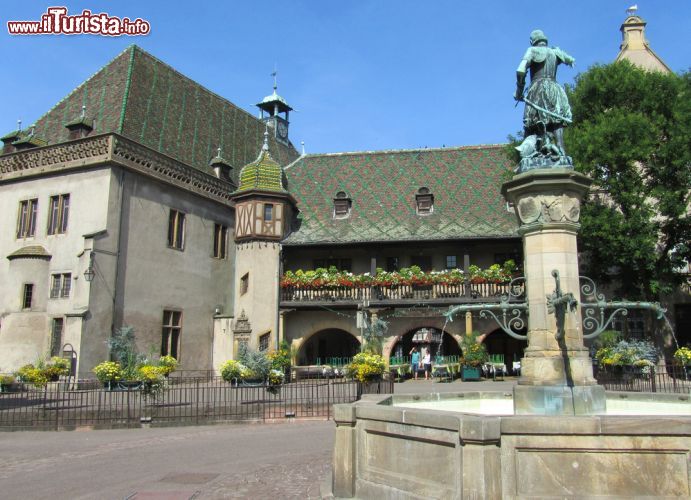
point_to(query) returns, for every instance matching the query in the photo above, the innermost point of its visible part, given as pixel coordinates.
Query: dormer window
(342, 204)
(424, 201)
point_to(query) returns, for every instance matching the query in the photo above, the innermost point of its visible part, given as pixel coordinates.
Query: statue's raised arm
(547, 109)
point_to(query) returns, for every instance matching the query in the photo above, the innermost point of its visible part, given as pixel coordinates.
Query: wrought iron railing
(671, 379)
(468, 291)
(182, 401)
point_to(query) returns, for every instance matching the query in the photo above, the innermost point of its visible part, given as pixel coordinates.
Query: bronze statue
(547, 109)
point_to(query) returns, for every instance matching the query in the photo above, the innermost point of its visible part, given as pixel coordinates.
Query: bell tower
(263, 211)
(275, 111)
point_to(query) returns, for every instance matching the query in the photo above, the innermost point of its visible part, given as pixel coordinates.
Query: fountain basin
(386, 449)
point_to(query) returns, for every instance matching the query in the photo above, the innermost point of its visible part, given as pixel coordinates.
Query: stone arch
(449, 344)
(499, 343)
(327, 343)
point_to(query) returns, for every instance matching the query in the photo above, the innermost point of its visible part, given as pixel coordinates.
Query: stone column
(556, 374)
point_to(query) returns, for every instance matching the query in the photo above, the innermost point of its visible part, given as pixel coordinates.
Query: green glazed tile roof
(465, 183)
(140, 97)
(263, 174)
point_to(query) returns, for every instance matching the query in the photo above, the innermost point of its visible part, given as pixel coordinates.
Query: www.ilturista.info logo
(56, 22)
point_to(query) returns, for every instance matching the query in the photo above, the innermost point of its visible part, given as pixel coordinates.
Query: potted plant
(366, 368)
(474, 356)
(109, 373)
(232, 371)
(7, 383)
(280, 359)
(682, 357)
(152, 380)
(55, 367)
(275, 381)
(30, 374)
(167, 365)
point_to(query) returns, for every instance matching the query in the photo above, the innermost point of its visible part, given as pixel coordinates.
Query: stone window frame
(60, 285)
(26, 218)
(220, 241)
(171, 333)
(424, 201)
(58, 214)
(264, 341)
(27, 296)
(57, 330)
(176, 229)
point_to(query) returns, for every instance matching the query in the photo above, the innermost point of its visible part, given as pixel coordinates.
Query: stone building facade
(146, 200)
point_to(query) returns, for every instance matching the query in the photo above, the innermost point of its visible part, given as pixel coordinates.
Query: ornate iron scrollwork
(507, 313)
(594, 305)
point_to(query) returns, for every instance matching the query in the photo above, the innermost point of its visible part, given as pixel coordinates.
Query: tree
(631, 135)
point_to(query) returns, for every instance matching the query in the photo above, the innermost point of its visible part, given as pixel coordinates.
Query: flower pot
(470, 373)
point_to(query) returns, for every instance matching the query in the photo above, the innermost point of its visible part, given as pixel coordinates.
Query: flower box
(470, 373)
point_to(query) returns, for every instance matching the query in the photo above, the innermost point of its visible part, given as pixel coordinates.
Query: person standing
(415, 361)
(427, 363)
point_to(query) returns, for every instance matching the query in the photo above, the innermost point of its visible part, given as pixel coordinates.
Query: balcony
(397, 295)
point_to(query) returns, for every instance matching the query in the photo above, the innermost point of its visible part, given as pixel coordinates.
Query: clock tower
(274, 111)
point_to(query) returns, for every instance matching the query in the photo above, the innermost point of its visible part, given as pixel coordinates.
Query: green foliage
(280, 359)
(682, 356)
(366, 367)
(123, 350)
(631, 135)
(628, 353)
(6, 380)
(324, 278)
(608, 338)
(33, 375)
(256, 362)
(167, 364)
(474, 353)
(233, 370)
(108, 371)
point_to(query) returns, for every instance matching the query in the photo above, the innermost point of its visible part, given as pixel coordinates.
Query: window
(26, 221)
(424, 200)
(170, 336)
(451, 262)
(342, 204)
(244, 284)
(264, 342)
(60, 285)
(58, 212)
(392, 264)
(28, 295)
(220, 239)
(176, 230)
(268, 211)
(56, 336)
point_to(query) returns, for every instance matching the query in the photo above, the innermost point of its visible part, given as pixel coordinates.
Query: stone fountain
(559, 441)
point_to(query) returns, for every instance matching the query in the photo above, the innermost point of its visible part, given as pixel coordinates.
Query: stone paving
(274, 461)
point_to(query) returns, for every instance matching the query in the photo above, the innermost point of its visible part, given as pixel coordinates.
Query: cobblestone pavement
(273, 461)
(286, 460)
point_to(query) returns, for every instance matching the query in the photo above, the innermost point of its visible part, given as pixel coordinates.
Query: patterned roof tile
(142, 98)
(465, 182)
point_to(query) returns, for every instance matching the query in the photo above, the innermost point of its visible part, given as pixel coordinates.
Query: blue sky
(364, 74)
